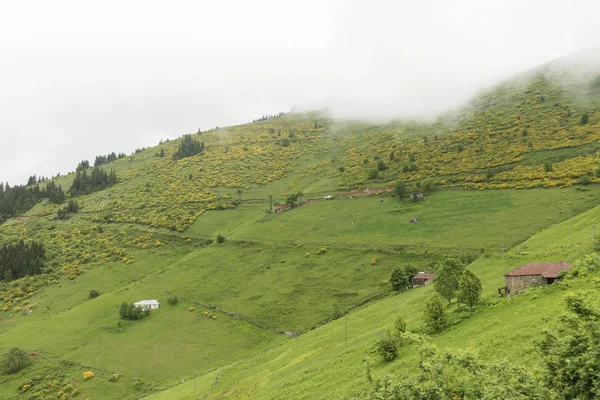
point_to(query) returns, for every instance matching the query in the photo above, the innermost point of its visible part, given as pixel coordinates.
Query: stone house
(422, 279)
(540, 274)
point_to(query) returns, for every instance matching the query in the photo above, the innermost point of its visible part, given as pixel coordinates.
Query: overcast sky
(81, 78)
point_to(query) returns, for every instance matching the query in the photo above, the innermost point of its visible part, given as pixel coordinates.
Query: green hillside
(289, 303)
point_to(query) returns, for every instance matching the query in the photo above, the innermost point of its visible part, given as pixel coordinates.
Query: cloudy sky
(81, 78)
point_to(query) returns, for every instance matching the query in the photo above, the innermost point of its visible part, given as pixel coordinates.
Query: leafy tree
(469, 288)
(14, 360)
(547, 166)
(584, 119)
(399, 327)
(93, 294)
(448, 272)
(401, 278)
(285, 142)
(173, 300)
(130, 311)
(435, 315)
(571, 353)
(220, 238)
(372, 174)
(400, 189)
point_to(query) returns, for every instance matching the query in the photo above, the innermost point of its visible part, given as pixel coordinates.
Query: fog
(78, 79)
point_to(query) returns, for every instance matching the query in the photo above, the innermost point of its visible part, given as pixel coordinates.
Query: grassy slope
(250, 279)
(462, 219)
(320, 365)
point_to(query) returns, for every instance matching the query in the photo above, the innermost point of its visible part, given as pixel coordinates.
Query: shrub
(322, 250)
(173, 300)
(220, 238)
(584, 119)
(435, 316)
(387, 347)
(372, 174)
(88, 375)
(585, 180)
(373, 261)
(14, 360)
(93, 294)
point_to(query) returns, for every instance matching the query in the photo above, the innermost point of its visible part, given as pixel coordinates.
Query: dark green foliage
(584, 119)
(387, 347)
(294, 198)
(19, 199)
(85, 164)
(597, 172)
(72, 206)
(188, 148)
(401, 278)
(435, 315)
(14, 360)
(449, 273)
(101, 160)
(372, 174)
(585, 180)
(469, 288)
(220, 238)
(285, 142)
(129, 311)
(410, 167)
(547, 166)
(571, 354)
(173, 300)
(21, 259)
(93, 294)
(381, 166)
(455, 375)
(161, 153)
(400, 190)
(95, 181)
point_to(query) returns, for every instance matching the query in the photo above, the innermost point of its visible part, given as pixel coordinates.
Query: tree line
(20, 259)
(96, 180)
(188, 148)
(16, 200)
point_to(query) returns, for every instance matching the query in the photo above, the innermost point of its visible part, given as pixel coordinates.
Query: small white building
(328, 197)
(147, 304)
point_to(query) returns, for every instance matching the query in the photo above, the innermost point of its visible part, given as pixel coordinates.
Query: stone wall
(516, 284)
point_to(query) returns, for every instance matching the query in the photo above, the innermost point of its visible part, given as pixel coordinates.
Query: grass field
(449, 219)
(320, 365)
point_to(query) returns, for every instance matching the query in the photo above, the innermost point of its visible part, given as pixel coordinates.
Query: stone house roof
(547, 270)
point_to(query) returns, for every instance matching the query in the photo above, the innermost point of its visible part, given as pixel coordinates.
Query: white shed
(147, 304)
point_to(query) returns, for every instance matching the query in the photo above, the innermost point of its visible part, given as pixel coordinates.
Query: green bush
(93, 294)
(435, 315)
(387, 347)
(220, 238)
(130, 311)
(173, 300)
(14, 360)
